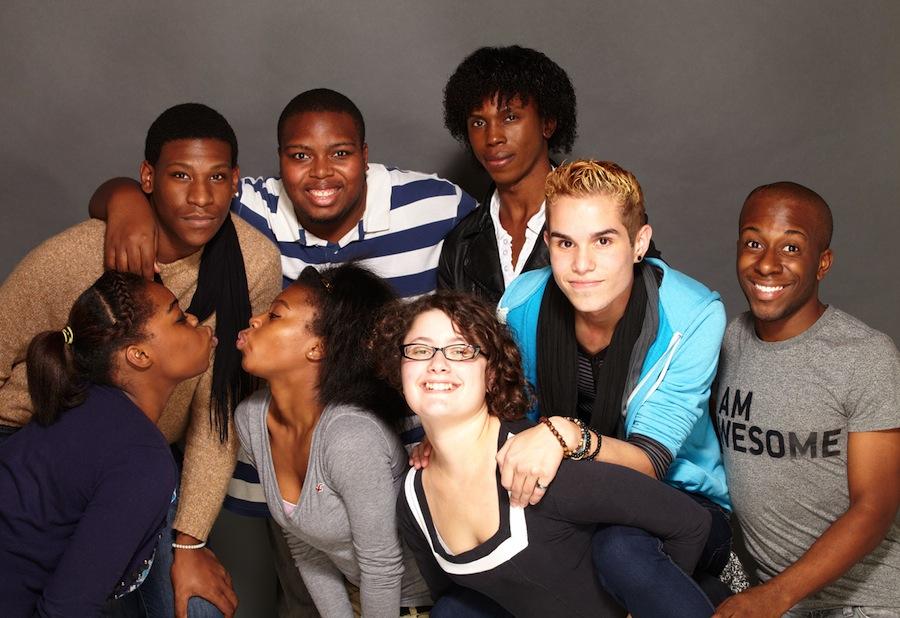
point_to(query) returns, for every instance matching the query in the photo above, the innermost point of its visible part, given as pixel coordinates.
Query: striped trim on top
(504, 552)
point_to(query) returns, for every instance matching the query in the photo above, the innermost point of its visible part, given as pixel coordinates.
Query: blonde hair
(587, 177)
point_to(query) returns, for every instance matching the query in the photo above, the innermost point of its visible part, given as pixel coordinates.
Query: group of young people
(583, 441)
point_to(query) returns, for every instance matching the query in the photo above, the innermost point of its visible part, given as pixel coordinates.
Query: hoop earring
(639, 258)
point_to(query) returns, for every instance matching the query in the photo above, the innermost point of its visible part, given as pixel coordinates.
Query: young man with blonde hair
(621, 351)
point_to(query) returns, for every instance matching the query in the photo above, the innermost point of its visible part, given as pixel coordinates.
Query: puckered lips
(241, 342)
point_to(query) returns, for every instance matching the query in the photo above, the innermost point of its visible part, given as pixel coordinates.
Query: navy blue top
(82, 503)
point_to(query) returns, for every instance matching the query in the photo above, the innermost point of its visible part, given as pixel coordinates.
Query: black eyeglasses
(455, 352)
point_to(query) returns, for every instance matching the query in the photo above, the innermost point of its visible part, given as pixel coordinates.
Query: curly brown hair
(507, 395)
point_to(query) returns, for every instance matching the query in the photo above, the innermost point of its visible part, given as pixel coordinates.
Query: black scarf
(557, 357)
(222, 289)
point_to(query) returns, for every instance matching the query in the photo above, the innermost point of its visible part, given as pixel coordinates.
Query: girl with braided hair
(87, 483)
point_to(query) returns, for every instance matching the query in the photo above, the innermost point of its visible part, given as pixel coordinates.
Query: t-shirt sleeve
(466, 205)
(125, 514)
(436, 579)
(603, 493)
(873, 395)
(359, 462)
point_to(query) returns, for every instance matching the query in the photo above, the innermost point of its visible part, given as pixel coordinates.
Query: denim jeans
(459, 602)
(630, 562)
(155, 598)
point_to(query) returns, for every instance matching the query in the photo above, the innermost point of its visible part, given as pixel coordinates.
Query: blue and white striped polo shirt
(407, 216)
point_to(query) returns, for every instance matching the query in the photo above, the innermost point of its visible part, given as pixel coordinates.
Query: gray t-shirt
(783, 411)
(345, 524)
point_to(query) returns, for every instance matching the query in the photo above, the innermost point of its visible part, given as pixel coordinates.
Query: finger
(121, 263)
(147, 264)
(519, 493)
(538, 493)
(109, 256)
(181, 606)
(507, 469)
(134, 260)
(224, 600)
(156, 267)
(415, 457)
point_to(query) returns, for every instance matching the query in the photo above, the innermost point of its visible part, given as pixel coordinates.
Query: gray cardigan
(345, 524)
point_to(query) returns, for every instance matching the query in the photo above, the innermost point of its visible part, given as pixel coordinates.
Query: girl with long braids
(86, 485)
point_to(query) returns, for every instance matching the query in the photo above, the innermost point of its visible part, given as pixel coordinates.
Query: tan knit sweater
(38, 295)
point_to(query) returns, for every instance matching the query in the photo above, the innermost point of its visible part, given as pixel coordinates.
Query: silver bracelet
(199, 545)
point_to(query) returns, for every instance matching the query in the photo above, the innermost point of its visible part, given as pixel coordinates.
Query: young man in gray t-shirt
(808, 414)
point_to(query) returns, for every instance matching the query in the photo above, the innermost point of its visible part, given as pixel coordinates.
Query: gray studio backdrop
(702, 100)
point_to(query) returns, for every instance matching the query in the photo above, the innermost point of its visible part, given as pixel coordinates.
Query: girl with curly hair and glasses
(460, 372)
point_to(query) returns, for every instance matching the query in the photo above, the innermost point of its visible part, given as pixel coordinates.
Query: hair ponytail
(108, 316)
(52, 384)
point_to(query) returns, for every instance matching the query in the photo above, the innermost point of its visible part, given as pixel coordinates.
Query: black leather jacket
(470, 260)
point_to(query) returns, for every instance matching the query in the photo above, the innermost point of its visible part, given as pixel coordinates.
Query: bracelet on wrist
(584, 444)
(565, 447)
(199, 545)
(596, 450)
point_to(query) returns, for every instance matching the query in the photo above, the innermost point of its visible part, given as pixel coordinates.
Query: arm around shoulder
(131, 233)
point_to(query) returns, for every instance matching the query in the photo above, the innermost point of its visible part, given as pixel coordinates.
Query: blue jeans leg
(632, 566)
(156, 592)
(459, 602)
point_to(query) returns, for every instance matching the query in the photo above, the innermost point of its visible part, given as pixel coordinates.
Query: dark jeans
(459, 602)
(630, 561)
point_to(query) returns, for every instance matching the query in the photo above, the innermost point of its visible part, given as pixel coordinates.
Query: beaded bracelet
(585, 444)
(596, 451)
(199, 545)
(562, 442)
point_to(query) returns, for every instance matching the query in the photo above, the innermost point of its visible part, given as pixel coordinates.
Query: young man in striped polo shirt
(328, 206)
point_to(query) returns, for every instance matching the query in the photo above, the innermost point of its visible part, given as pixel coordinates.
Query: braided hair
(61, 365)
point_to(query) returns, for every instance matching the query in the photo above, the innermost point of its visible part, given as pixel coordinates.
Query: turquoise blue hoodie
(670, 401)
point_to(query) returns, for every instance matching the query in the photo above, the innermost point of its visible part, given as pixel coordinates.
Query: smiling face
(178, 345)
(323, 169)
(591, 254)
(510, 142)
(281, 340)
(191, 187)
(438, 388)
(780, 261)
